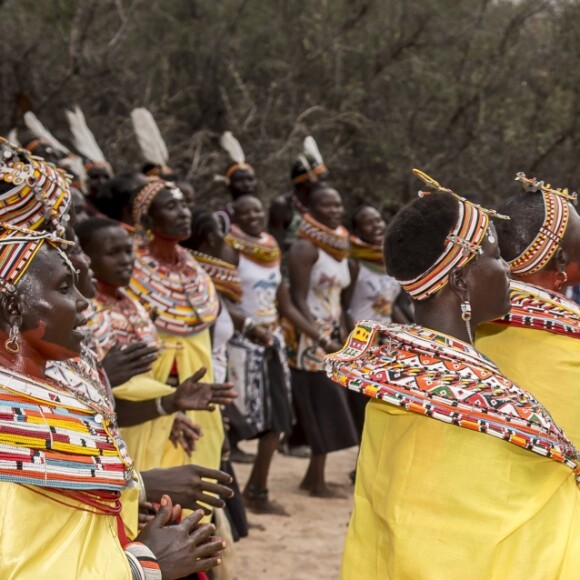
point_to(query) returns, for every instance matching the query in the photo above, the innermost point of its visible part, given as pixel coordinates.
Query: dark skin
(97, 177)
(47, 308)
(326, 207)
(242, 182)
(484, 282)
(370, 228)
(112, 256)
(188, 193)
(80, 206)
(250, 217)
(566, 259)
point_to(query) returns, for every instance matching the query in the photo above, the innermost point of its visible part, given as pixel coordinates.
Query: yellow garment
(545, 364)
(437, 502)
(149, 443)
(42, 539)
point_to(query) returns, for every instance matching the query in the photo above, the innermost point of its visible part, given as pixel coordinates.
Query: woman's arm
(301, 259)
(347, 293)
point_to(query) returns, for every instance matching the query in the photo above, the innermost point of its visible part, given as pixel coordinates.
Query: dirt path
(309, 543)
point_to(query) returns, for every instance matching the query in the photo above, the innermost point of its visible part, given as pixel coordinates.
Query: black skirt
(325, 412)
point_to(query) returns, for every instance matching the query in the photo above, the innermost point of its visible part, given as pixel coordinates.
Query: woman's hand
(191, 395)
(189, 485)
(122, 364)
(185, 433)
(184, 548)
(261, 334)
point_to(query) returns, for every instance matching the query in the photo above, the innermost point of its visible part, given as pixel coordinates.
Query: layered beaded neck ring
(224, 275)
(462, 244)
(334, 242)
(549, 237)
(263, 250)
(371, 255)
(33, 192)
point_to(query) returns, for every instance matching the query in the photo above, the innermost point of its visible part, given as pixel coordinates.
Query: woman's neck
(443, 320)
(107, 289)
(164, 249)
(26, 363)
(544, 279)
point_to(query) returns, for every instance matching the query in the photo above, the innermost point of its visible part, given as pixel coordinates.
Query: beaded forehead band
(233, 168)
(462, 244)
(18, 248)
(39, 191)
(148, 193)
(312, 173)
(549, 237)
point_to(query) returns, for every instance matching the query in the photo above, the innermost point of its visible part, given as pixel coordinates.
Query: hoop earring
(11, 345)
(466, 317)
(561, 279)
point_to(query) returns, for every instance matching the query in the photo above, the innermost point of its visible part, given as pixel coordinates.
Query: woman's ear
(458, 284)
(147, 222)
(10, 309)
(561, 259)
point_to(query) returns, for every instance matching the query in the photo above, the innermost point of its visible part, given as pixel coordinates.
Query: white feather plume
(311, 150)
(83, 138)
(13, 137)
(233, 147)
(74, 164)
(42, 133)
(149, 137)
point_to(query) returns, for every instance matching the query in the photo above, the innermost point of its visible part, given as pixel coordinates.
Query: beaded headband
(235, 166)
(145, 197)
(18, 248)
(311, 173)
(39, 192)
(549, 237)
(462, 244)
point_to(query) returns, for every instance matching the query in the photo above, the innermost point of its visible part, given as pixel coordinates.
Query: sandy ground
(309, 543)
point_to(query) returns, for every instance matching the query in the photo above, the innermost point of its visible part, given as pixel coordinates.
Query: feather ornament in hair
(75, 165)
(149, 137)
(13, 137)
(311, 150)
(42, 133)
(83, 138)
(233, 147)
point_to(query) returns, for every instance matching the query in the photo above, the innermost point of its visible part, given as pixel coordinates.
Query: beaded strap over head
(549, 237)
(462, 244)
(38, 192)
(144, 199)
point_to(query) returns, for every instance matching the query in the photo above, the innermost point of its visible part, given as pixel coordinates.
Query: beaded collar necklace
(181, 298)
(263, 250)
(431, 374)
(368, 254)
(224, 275)
(333, 242)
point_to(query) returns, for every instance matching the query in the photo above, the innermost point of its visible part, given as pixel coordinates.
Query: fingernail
(163, 501)
(223, 545)
(218, 562)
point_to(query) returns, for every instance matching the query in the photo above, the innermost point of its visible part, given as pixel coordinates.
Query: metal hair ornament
(462, 244)
(549, 237)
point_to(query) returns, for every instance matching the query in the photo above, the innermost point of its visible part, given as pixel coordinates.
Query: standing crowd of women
(143, 335)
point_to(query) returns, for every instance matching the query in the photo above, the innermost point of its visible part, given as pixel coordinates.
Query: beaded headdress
(549, 238)
(462, 244)
(38, 191)
(145, 196)
(18, 248)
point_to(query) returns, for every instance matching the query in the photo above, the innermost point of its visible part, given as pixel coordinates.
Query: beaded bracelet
(142, 562)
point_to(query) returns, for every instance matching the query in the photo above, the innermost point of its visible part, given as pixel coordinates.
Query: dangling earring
(11, 345)
(466, 316)
(561, 279)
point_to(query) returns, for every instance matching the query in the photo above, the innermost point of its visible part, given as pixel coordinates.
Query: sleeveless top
(260, 285)
(374, 295)
(328, 278)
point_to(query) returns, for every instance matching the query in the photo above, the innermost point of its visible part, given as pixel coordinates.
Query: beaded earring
(11, 345)
(466, 317)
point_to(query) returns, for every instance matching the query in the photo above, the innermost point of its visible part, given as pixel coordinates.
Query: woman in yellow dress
(461, 473)
(537, 343)
(183, 303)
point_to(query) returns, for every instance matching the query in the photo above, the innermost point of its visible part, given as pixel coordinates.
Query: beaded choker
(263, 250)
(224, 275)
(120, 320)
(368, 254)
(56, 434)
(181, 299)
(333, 242)
(461, 245)
(443, 378)
(535, 307)
(549, 238)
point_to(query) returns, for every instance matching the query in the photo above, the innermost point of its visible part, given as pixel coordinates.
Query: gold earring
(11, 345)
